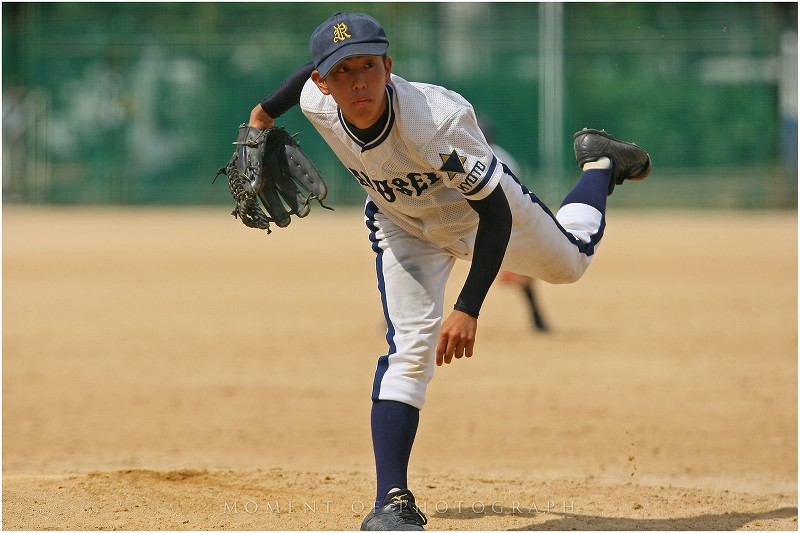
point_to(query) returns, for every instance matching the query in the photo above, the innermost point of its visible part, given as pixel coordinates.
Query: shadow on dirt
(708, 522)
(555, 521)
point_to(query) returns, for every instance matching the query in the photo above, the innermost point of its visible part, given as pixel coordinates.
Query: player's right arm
(457, 336)
(283, 99)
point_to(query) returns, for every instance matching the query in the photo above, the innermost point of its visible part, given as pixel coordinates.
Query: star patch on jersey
(453, 164)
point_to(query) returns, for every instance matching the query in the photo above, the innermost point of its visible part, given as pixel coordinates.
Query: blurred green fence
(130, 103)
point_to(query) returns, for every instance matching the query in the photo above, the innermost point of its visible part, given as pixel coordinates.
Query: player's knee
(570, 274)
(403, 383)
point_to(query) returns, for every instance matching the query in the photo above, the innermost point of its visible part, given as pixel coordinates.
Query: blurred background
(138, 103)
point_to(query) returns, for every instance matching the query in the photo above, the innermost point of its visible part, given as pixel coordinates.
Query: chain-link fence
(131, 103)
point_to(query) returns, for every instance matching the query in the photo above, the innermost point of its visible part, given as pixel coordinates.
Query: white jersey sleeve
(462, 155)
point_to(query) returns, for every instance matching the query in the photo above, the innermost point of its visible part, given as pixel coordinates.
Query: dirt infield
(176, 370)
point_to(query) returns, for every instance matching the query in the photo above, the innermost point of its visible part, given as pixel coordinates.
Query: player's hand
(457, 338)
(260, 119)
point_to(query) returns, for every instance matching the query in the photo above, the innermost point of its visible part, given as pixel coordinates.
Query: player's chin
(362, 114)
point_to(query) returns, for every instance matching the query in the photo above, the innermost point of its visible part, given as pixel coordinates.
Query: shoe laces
(410, 513)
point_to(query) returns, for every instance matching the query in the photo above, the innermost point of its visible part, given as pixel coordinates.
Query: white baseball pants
(412, 275)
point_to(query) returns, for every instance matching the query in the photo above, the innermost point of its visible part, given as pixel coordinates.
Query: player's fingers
(458, 352)
(463, 345)
(449, 352)
(449, 349)
(453, 348)
(441, 348)
(469, 348)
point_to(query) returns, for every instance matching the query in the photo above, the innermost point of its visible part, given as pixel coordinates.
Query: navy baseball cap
(346, 35)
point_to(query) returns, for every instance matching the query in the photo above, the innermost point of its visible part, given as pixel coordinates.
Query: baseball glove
(267, 166)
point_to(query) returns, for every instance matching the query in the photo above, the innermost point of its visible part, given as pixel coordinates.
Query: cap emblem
(340, 32)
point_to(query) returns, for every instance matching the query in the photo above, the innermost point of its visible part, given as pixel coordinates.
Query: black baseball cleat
(630, 161)
(398, 512)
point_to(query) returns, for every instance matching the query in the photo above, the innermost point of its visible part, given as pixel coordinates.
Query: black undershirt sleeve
(288, 94)
(494, 230)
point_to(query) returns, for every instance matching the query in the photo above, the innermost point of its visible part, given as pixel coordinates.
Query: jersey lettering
(472, 178)
(402, 186)
(382, 186)
(362, 178)
(419, 184)
(414, 184)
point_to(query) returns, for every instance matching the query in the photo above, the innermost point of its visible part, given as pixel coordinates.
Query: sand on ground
(168, 368)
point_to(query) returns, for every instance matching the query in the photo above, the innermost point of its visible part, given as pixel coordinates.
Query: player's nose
(359, 83)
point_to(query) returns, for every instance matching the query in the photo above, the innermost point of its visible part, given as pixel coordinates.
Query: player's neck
(371, 133)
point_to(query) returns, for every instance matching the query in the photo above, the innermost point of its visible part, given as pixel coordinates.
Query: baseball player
(436, 193)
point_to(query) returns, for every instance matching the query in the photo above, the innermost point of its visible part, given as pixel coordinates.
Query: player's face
(358, 84)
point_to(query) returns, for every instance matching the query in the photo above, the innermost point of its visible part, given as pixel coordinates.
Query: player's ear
(320, 82)
(388, 66)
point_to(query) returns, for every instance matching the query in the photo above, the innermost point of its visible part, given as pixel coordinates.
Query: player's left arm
(457, 337)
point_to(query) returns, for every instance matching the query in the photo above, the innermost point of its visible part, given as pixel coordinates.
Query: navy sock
(591, 189)
(394, 426)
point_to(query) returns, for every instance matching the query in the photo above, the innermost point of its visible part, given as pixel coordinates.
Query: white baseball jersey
(430, 157)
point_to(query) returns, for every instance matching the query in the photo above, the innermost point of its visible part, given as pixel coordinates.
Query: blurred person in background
(526, 283)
